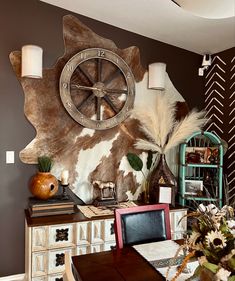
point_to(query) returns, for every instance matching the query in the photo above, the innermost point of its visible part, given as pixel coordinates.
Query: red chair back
(142, 224)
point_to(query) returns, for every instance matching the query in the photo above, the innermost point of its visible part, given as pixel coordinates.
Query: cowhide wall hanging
(88, 154)
(220, 106)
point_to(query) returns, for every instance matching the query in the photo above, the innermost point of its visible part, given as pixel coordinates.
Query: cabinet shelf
(202, 165)
(203, 178)
(200, 198)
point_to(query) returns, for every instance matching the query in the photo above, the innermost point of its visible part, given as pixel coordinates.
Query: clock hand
(87, 88)
(104, 90)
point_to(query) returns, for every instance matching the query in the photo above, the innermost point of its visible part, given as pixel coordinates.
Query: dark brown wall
(219, 95)
(30, 21)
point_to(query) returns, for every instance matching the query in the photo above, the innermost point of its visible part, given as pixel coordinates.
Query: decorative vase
(145, 188)
(43, 185)
(160, 177)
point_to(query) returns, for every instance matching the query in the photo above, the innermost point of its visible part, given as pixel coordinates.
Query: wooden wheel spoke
(115, 91)
(75, 79)
(88, 99)
(99, 70)
(112, 76)
(98, 108)
(110, 103)
(88, 77)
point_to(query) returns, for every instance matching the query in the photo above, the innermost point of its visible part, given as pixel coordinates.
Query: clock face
(97, 88)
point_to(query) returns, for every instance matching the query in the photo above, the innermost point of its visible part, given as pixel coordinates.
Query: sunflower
(216, 239)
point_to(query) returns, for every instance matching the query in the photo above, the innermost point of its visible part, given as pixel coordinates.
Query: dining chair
(68, 273)
(142, 224)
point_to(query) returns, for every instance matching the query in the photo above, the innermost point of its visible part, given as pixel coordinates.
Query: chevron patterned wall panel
(220, 107)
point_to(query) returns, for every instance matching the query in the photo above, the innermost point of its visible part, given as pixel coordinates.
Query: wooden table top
(116, 265)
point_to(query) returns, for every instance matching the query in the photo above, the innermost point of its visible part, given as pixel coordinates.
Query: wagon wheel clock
(97, 88)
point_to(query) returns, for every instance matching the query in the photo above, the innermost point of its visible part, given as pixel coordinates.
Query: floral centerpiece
(212, 242)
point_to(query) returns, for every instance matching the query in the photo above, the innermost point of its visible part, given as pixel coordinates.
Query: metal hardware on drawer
(112, 228)
(59, 279)
(59, 259)
(62, 234)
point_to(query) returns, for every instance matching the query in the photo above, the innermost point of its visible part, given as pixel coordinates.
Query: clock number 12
(101, 53)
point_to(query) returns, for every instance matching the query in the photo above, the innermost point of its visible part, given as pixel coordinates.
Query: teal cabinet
(201, 170)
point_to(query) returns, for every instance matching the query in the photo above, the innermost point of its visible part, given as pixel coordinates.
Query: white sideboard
(47, 239)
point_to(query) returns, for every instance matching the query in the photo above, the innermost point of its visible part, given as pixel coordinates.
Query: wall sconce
(31, 61)
(157, 75)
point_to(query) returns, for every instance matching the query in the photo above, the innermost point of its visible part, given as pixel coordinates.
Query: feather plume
(162, 130)
(148, 124)
(182, 130)
(147, 145)
(157, 124)
(165, 110)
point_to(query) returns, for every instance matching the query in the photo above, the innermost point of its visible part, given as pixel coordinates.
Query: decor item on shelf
(212, 242)
(162, 183)
(64, 177)
(137, 164)
(31, 63)
(157, 75)
(64, 181)
(44, 185)
(106, 193)
(163, 133)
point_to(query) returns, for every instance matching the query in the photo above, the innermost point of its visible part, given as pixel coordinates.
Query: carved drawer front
(97, 231)
(56, 260)
(96, 248)
(177, 223)
(109, 234)
(61, 235)
(39, 238)
(83, 249)
(55, 277)
(39, 264)
(83, 233)
(109, 246)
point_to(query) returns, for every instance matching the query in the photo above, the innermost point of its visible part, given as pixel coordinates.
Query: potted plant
(44, 185)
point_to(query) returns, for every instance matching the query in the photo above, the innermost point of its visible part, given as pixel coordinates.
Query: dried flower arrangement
(162, 130)
(212, 242)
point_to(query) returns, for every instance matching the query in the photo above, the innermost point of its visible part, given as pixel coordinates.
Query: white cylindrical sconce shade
(31, 61)
(157, 75)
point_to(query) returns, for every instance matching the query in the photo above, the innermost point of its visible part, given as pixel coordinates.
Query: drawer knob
(59, 259)
(112, 228)
(59, 279)
(62, 234)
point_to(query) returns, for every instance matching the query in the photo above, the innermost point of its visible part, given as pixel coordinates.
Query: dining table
(144, 262)
(124, 264)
